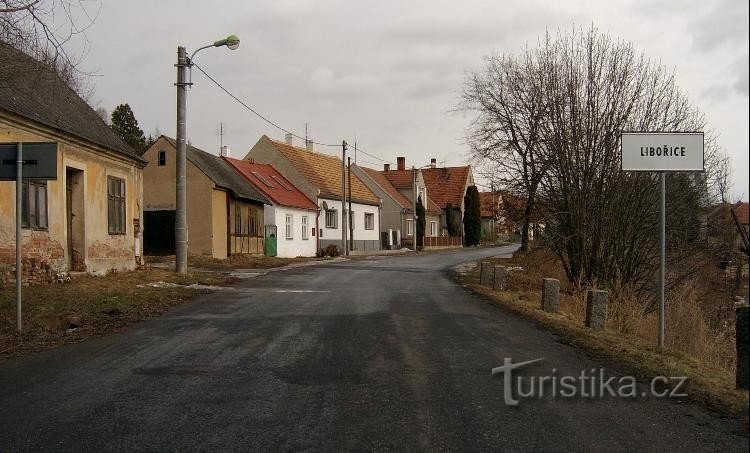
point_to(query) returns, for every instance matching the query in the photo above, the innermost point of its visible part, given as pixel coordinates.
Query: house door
(75, 220)
(270, 242)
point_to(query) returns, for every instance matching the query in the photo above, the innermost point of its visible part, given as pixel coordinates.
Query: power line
(256, 113)
(264, 118)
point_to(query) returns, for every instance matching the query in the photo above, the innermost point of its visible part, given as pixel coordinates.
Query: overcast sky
(388, 72)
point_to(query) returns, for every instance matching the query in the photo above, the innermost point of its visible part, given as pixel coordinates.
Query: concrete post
(596, 309)
(551, 295)
(485, 273)
(741, 334)
(180, 226)
(501, 275)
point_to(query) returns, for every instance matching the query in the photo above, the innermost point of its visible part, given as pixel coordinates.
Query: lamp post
(180, 227)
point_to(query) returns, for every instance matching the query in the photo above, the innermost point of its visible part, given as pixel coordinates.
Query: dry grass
(102, 304)
(696, 350)
(240, 261)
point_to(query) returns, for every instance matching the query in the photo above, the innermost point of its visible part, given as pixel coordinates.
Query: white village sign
(662, 152)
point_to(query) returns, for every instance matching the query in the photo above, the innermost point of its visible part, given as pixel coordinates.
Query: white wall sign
(662, 151)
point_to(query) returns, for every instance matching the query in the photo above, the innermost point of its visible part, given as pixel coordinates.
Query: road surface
(380, 353)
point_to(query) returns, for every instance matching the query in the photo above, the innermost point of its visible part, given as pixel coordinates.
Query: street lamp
(180, 227)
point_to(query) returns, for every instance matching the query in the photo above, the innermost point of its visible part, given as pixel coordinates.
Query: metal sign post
(19, 238)
(662, 152)
(42, 164)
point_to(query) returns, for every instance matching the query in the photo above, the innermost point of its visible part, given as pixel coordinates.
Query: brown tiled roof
(220, 172)
(324, 172)
(742, 212)
(31, 89)
(446, 185)
(401, 179)
(386, 185)
(432, 207)
(489, 202)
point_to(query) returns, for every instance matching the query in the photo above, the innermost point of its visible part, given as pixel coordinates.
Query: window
(253, 228)
(282, 183)
(34, 204)
(289, 227)
(369, 221)
(332, 219)
(433, 228)
(305, 234)
(237, 218)
(262, 179)
(116, 205)
(409, 227)
(162, 158)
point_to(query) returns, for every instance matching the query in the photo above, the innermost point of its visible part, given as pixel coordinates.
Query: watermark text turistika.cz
(589, 383)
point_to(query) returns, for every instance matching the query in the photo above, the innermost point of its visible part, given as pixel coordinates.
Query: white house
(318, 176)
(292, 213)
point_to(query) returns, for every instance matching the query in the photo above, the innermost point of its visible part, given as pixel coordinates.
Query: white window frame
(409, 227)
(433, 228)
(334, 215)
(305, 226)
(371, 224)
(289, 224)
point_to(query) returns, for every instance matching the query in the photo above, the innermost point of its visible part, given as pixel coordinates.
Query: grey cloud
(725, 23)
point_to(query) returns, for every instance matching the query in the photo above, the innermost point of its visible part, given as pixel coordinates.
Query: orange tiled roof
(488, 202)
(401, 179)
(324, 172)
(386, 185)
(446, 185)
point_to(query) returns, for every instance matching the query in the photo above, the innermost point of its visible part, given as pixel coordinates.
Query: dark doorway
(158, 232)
(75, 219)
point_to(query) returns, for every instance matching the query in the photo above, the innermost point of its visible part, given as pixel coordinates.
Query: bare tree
(508, 100)
(44, 28)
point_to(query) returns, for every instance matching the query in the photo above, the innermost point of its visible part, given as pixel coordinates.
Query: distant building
(491, 204)
(225, 214)
(319, 177)
(89, 218)
(290, 213)
(447, 188)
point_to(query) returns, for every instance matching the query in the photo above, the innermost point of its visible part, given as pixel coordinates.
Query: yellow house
(224, 212)
(88, 218)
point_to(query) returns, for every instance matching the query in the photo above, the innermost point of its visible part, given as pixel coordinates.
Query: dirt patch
(243, 261)
(89, 306)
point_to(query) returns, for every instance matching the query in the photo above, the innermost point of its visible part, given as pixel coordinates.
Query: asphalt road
(384, 353)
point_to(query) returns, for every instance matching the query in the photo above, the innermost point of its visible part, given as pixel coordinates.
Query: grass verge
(712, 386)
(101, 305)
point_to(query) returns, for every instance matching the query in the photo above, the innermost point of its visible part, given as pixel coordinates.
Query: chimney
(309, 144)
(225, 151)
(433, 163)
(386, 167)
(288, 138)
(401, 163)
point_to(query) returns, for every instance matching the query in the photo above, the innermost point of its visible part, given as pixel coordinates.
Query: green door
(270, 242)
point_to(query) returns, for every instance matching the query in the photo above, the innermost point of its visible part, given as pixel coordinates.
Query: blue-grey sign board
(39, 161)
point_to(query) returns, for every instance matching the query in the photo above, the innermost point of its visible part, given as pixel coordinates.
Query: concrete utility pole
(181, 163)
(662, 253)
(344, 248)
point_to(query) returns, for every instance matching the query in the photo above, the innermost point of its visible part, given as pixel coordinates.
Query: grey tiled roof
(221, 173)
(32, 90)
